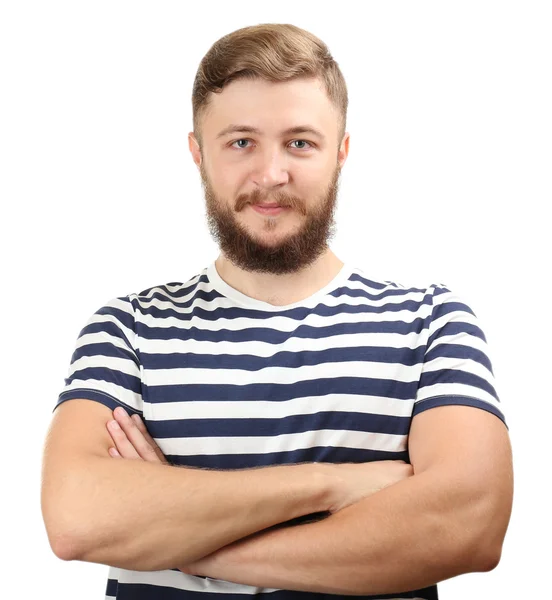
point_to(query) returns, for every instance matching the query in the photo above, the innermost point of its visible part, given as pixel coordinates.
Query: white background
(448, 181)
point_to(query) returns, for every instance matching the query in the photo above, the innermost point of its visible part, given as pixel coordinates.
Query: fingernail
(114, 425)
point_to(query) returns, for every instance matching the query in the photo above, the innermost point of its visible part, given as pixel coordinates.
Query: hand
(355, 481)
(132, 439)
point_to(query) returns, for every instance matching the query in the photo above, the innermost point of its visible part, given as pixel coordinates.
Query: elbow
(62, 543)
(482, 551)
(486, 556)
(61, 535)
(479, 559)
(483, 530)
(64, 547)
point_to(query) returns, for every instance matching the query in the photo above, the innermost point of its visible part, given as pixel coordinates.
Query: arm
(93, 506)
(449, 518)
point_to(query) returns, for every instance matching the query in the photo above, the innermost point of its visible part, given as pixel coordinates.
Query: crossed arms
(449, 518)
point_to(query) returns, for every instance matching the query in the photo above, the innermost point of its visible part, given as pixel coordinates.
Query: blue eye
(243, 147)
(302, 141)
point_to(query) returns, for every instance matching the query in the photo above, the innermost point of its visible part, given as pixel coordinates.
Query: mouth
(272, 208)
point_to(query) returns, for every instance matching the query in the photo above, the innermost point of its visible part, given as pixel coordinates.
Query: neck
(284, 289)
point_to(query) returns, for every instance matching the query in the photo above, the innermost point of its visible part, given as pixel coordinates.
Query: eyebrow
(291, 130)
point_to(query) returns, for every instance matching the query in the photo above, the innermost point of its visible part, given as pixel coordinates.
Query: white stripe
(347, 283)
(108, 318)
(456, 389)
(457, 316)
(190, 583)
(101, 337)
(461, 339)
(116, 391)
(123, 365)
(293, 344)
(279, 322)
(283, 375)
(342, 438)
(184, 582)
(260, 409)
(328, 300)
(459, 364)
(173, 289)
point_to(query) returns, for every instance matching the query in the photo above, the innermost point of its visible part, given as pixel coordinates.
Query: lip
(269, 209)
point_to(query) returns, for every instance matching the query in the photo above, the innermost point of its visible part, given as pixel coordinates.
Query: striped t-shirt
(225, 381)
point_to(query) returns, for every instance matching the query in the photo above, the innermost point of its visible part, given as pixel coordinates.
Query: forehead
(271, 107)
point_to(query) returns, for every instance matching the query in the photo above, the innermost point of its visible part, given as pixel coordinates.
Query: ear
(195, 150)
(343, 152)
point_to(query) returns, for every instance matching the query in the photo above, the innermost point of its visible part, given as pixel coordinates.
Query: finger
(143, 429)
(113, 452)
(135, 437)
(122, 443)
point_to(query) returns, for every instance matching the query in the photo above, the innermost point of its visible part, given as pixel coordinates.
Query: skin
(279, 259)
(283, 258)
(133, 442)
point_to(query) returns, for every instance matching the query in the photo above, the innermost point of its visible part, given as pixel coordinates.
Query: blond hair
(274, 52)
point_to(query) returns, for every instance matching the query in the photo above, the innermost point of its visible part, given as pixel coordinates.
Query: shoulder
(419, 293)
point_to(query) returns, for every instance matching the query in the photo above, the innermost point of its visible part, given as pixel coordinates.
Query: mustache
(281, 198)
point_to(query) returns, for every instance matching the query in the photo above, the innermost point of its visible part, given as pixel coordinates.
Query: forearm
(148, 516)
(405, 537)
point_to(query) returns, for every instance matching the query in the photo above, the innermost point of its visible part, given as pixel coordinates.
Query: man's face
(297, 170)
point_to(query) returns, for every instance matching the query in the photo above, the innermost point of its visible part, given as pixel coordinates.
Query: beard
(288, 255)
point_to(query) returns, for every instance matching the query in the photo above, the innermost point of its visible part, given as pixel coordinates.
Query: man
(335, 434)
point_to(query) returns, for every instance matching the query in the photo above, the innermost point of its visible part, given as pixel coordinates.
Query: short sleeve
(457, 367)
(105, 365)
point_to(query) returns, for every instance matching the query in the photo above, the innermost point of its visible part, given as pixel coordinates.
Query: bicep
(465, 453)
(78, 429)
(77, 434)
(471, 440)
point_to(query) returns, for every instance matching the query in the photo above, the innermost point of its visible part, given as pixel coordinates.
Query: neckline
(232, 293)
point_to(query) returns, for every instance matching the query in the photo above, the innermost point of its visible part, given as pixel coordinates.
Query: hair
(274, 52)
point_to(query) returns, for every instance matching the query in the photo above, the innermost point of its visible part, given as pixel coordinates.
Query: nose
(271, 169)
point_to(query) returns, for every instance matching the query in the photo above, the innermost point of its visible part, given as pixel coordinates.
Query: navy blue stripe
(348, 292)
(106, 327)
(456, 376)
(111, 588)
(439, 289)
(298, 313)
(171, 294)
(127, 319)
(272, 336)
(101, 397)
(446, 400)
(446, 350)
(104, 349)
(455, 328)
(143, 591)
(269, 427)
(129, 382)
(250, 362)
(205, 295)
(388, 388)
(321, 454)
(367, 282)
(439, 310)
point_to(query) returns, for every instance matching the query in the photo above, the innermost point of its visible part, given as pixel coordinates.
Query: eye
(241, 140)
(244, 146)
(302, 142)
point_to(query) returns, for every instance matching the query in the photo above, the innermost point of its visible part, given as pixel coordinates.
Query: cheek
(227, 179)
